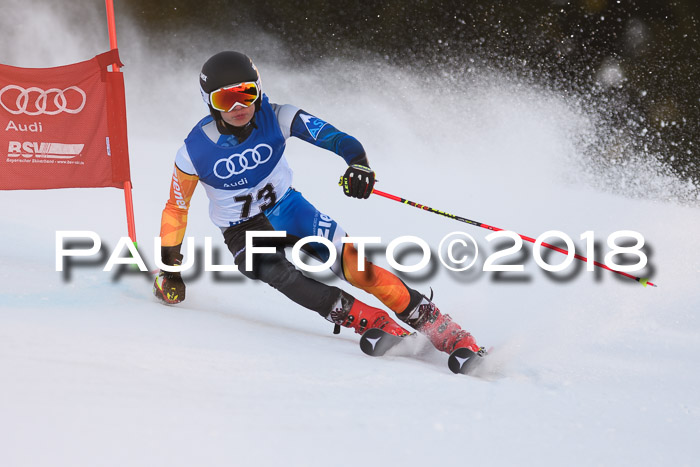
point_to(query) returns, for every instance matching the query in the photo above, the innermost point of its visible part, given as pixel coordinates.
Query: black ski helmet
(224, 69)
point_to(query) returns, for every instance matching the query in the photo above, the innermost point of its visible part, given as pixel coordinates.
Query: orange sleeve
(173, 222)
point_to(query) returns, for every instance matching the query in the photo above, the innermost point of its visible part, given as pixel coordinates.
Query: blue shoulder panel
(324, 135)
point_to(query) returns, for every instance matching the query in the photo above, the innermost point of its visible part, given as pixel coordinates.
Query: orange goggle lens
(242, 94)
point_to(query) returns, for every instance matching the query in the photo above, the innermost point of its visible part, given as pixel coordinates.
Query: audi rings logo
(36, 101)
(236, 164)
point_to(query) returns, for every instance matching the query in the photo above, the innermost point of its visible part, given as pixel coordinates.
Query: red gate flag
(63, 127)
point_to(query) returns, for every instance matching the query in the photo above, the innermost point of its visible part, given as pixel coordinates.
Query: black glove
(168, 286)
(358, 181)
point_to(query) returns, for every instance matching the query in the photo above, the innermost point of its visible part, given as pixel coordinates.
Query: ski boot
(349, 312)
(443, 333)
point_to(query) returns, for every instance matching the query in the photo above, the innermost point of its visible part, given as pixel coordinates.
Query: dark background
(561, 44)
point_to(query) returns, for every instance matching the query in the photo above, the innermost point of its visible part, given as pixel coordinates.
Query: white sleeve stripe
(184, 171)
(183, 161)
(285, 115)
(211, 131)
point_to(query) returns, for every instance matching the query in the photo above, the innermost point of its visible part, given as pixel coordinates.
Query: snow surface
(590, 370)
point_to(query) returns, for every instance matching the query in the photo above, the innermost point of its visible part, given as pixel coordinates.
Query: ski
(376, 342)
(464, 361)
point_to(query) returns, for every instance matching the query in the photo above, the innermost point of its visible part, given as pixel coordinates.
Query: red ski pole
(641, 280)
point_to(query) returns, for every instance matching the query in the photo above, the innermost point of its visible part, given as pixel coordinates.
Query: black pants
(276, 270)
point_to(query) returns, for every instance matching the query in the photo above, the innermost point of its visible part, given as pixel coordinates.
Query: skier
(237, 153)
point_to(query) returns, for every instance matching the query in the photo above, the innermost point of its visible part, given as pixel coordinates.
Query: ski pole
(641, 280)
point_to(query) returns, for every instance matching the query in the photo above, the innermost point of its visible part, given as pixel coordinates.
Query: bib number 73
(266, 193)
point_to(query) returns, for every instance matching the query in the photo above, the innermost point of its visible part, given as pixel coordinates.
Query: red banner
(63, 127)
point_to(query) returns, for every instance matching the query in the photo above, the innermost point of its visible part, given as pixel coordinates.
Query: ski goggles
(227, 98)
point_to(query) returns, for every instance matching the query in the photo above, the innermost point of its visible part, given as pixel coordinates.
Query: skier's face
(239, 116)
